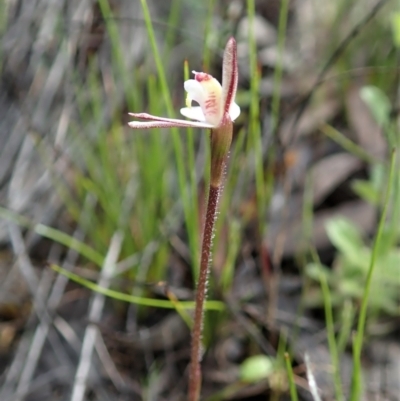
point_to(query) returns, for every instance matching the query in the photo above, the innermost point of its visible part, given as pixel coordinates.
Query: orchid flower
(215, 101)
(216, 110)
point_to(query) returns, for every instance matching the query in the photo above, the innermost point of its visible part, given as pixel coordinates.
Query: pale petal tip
(229, 73)
(230, 47)
(234, 111)
(231, 41)
(138, 115)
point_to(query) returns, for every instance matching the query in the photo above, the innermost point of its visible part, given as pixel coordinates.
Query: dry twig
(95, 312)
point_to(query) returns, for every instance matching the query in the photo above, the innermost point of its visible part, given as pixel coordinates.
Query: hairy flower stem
(220, 143)
(217, 110)
(195, 370)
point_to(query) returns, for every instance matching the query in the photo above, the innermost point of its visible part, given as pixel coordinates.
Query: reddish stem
(196, 351)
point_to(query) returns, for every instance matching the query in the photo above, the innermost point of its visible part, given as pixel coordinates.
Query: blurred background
(100, 225)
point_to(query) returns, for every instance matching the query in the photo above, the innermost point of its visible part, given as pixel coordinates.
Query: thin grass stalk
(126, 76)
(281, 362)
(177, 142)
(207, 30)
(254, 123)
(347, 144)
(173, 22)
(346, 325)
(276, 96)
(333, 348)
(3, 24)
(359, 337)
(218, 306)
(292, 384)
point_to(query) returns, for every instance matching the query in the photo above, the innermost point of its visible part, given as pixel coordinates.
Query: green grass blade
(276, 95)
(346, 325)
(118, 59)
(207, 29)
(255, 141)
(70, 242)
(347, 144)
(292, 384)
(359, 337)
(330, 328)
(177, 143)
(55, 235)
(156, 303)
(173, 22)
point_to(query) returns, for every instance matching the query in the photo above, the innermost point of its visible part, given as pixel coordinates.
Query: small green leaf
(387, 244)
(396, 28)
(378, 176)
(315, 270)
(345, 237)
(378, 103)
(389, 264)
(352, 288)
(365, 190)
(256, 368)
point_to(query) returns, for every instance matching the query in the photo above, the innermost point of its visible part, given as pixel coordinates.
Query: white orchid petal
(206, 91)
(194, 113)
(234, 111)
(195, 91)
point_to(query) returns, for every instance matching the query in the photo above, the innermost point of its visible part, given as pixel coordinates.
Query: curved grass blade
(156, 303)
(55, 235)
(70, 242)
(359, 337)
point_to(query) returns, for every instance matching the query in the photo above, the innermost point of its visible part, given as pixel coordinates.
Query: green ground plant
(364, 276)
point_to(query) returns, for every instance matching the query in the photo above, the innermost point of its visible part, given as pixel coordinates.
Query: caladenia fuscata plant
(216, 111)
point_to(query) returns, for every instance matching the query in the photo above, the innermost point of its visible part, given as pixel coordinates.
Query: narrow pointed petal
(173, 122)
(145, 116)
(194, 113)
(229, 74)
(168, 124)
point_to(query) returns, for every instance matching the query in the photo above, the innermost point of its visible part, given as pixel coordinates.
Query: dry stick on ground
(109, 366)
(95, 312)
(24, 346)
(216, 112)
(311, 379)
(16, 366)
(42, 331)
(28, 272)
